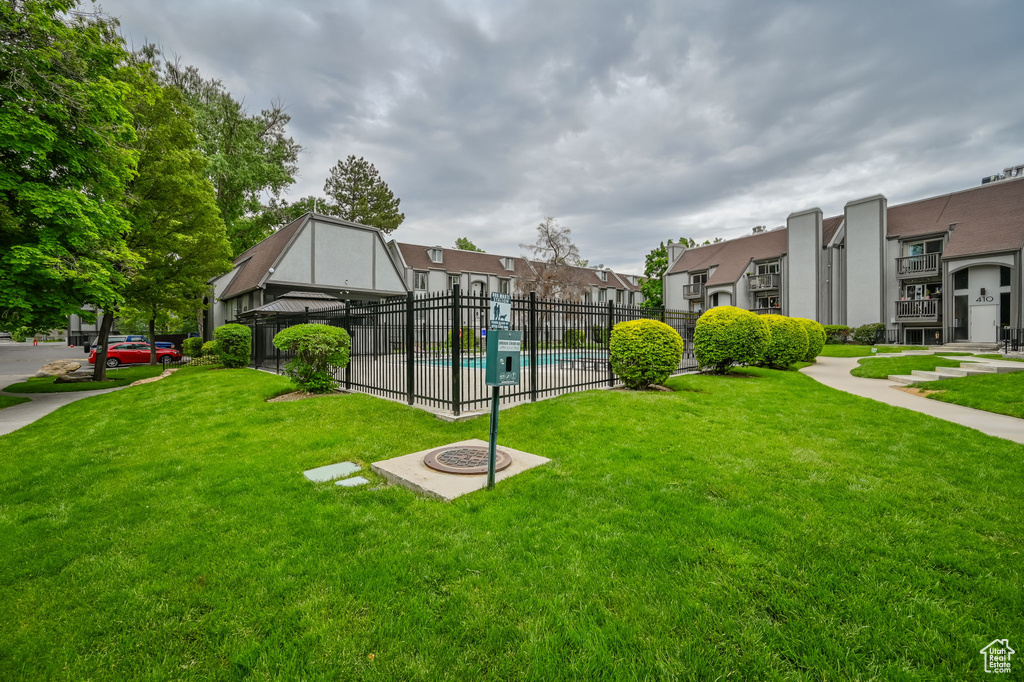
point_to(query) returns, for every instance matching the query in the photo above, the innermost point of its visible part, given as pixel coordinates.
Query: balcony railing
(693, 290)
(767, 311)
(923, 310)
(926, 265)
(764, 282)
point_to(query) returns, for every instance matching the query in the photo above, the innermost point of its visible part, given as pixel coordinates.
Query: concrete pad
(331, 472)
(352, 482)
(411, 472)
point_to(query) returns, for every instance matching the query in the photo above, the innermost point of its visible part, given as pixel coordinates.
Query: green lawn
(115, 377)
(856, 351)
(998, 356)
(1001, 393)
(9, 400)
(880, 368)
(753, 526)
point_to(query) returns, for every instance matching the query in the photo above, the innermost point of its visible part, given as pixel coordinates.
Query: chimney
(674, 252)
(760, 228)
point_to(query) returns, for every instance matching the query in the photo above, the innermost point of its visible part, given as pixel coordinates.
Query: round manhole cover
(465, 460)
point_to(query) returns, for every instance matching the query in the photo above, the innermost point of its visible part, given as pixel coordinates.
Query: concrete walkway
(18, 362)
(835, 372)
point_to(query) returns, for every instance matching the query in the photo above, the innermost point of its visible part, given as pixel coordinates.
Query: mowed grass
(115, 378)
(881, 368)
(1000, 393)
(752, 526)
(9, 400)
(856, 351)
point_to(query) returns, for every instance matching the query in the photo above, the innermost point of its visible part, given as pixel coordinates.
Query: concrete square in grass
(331, 471)
(410, 471)
(352, 482)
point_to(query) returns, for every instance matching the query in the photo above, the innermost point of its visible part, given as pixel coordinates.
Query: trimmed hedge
(209, 349)
(574, 338)
(727, 336)
(192, 346)
(644, 352)
(319, 350)
(469, 340)
(815, 337)
(837, 333)
(869, 334)
(599, 334)
(234, 344)
(787, 342)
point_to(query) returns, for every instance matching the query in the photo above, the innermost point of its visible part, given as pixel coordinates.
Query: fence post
(532, 322)
(410, 353)
(611, 323)
(351, 346)
(277, 351)
(456, 349)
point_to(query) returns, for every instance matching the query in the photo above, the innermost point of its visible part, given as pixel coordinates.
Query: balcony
(926, 265)
(924, 310)
(766, 311)
(693, 290)
(763, 282)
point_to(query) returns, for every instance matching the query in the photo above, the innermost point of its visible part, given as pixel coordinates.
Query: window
(238, 306)
(960, 279)
(508, 263)
(436, 255)
(768, 302)
(714, 300)
(602, 275)
(504, 286)
(420, 283)
(699, 278)
(921, 248)
(453, 281)
(632, 298)
(619, 296)
(768, 268)
(1004, 276)
(1004, 309)
(602, 295)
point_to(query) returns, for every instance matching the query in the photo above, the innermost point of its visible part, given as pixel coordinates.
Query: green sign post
(502, 365)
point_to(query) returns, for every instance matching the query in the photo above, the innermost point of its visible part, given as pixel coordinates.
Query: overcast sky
(630, 122)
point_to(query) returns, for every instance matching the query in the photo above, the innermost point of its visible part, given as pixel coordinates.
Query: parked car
(111, 340)
(5, 335)
(129, 353)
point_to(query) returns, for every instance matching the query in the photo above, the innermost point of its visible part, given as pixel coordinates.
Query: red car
(135, 352)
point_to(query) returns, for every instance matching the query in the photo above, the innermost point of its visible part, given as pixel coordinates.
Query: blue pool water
(544, 358)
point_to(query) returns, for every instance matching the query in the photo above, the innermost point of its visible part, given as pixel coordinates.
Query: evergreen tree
(359, 194)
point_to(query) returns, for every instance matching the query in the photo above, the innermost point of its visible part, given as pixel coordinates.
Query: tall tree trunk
(99, 372)
(152, 341)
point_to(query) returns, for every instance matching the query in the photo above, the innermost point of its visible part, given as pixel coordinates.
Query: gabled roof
(456, 260)
(629, 286)
(296, 302)
(989, 218)
(256, 260)
(829, 227)
(732, 256)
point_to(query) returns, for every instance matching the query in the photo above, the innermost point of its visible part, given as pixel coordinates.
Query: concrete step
(967, 345)
(903, 379)
(1007, 369)
(921, 375)
(963, 371)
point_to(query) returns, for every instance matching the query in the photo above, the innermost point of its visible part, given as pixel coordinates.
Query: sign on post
(500, 318)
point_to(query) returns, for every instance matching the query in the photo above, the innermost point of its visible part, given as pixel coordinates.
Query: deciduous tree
(654, 269)
(466, 245)
(554, 256)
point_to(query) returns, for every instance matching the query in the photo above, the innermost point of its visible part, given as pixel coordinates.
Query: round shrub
(868, 334)
(599, 334)
(727, 336)
(574, 338)
(192, 346)
(644, 352)
(815, 337)
(319, 350)
(234, 344)
(787, 342)
(209, 349)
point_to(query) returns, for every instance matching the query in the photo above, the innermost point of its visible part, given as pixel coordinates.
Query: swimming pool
(544, 358)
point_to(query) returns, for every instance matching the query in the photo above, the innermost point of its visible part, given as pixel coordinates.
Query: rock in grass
(57, 368)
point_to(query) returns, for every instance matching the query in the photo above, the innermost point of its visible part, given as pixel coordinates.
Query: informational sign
(502, 366)
(501, 312)
(509, 345)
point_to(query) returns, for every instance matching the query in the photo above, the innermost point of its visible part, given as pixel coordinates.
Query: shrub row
(869, 333)
(727, 336)
(837, 333)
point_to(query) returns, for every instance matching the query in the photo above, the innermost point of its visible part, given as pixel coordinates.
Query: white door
(983, 323)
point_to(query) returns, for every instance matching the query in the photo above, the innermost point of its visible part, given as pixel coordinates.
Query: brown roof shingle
(732, 256)
(256, 260)
(457, 260)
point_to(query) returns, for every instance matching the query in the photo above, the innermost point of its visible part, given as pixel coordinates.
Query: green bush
(319, 349)
(209, 350)
(234, 344)
(868, 334)
(727, 336)
(787, 342)
(815, 337)
(644, 352)
(599, 334)
(192, 346)
(837, 333)
(468, 341)
(19, 335)
(574, 338)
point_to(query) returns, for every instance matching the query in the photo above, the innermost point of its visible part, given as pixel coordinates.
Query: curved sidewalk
(40, 404)
(835, 372)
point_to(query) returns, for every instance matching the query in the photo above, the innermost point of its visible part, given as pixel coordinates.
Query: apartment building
(945, 268)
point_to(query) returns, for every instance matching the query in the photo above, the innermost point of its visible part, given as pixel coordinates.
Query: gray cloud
(631, 123)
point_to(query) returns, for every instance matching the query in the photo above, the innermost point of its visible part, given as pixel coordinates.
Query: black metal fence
(1013, 340)
(430, 350)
